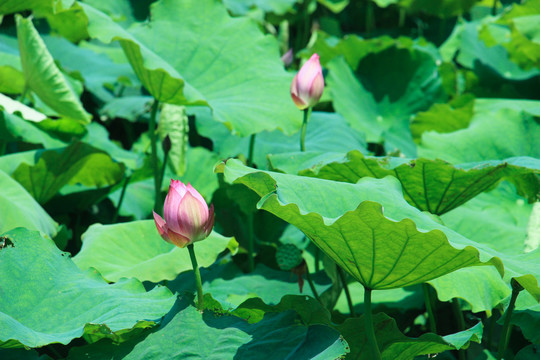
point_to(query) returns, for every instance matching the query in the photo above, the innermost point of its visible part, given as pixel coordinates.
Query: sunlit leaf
(135, 249)
(57, 303)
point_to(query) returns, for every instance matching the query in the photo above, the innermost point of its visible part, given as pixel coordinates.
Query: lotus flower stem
(346, 288)
(370, 16)
(24, 93)
(3, 147)
(494, 7)
(312, 285)
(200, 300)
(458, 314)
(121, 199)
(251, 149)
(153, 155)
(370, 329)
(428, 299)
(250, 242)
(505, 336)
(163, 167)
(307, 113)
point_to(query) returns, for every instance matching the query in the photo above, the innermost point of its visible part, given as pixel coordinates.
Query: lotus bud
(187, 216)
(308, 85)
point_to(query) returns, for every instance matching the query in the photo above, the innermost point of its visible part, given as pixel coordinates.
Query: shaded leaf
(77, 163)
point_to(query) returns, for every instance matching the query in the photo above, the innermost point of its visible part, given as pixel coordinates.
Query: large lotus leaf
(330, 214)
(99, 72)
(231, 287)
(135, 249)
(215, 336)
(77, 163)
(57, 303)
(223, 62)
(43, 76)
(19, 209)
(488, 60)
(430, 185)
(483, 139)
(400, 248)
(392, 343)
(326, 132)
(388, 87)
(22, 354)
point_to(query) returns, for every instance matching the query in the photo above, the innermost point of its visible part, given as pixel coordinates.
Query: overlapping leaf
(223, 62)
(43, 77)
(136, 250)
(402, 247)
(57, 303)
(430, 185)
(77, 163)
(218, 336)
(19, 209)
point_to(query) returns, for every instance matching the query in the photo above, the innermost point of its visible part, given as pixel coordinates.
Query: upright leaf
(43, 77)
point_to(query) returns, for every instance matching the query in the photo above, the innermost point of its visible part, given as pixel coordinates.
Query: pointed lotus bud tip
(308, 85)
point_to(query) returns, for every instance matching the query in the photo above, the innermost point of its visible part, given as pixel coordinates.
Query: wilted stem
(117, 210)
(251, 149)
(346, 288)
(428, 298)
(312, 285)
(307, 112)
(505, 336)
(153, 155)
(198, 282)
(370, 329)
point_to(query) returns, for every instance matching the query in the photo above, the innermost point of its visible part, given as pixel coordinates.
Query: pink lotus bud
(187, 217)
(308, 85)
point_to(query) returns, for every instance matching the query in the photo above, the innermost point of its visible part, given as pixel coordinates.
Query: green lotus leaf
(429, 185)
(326, 132)
(19, 209)
(43, 76)
(392, 343)
(387, 88)
(77, 163)
(226, 63)
(135, 249)
(216, 336)
(57, 303)
(399, 248)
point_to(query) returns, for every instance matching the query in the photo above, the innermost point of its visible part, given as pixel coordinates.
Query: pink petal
(170, 209)
(161, 226)
(178, 186)
(178, 239)
(192, 215)
(199, 197)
